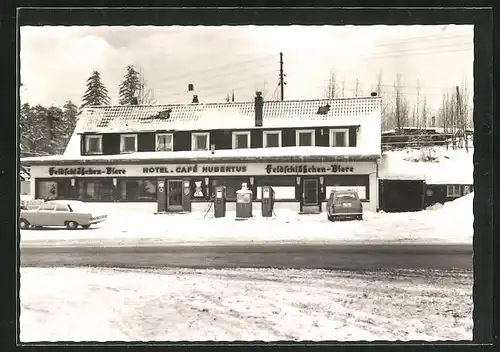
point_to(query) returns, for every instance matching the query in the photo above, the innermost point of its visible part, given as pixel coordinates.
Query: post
(282, 83)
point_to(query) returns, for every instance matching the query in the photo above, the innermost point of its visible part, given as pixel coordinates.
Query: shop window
(95, 190)
(128, 143)
(358, 183)
(241, 140)
(305, 138)
(137, 190)
(272, 139)
(232, 185)
(198, 189)
(93, 144)
(164, 142)
(200, 141)
(46, 190)
(339, 137)
(453, 191)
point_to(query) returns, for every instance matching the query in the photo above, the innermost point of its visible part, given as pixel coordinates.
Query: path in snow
(135, 305)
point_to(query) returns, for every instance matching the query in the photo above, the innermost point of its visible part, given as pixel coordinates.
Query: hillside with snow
(435, 165)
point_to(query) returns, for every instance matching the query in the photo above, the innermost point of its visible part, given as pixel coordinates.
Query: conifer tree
(97, 93)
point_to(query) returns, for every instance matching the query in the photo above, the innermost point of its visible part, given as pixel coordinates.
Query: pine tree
(97, 93)
(70, 114)
(130, 87)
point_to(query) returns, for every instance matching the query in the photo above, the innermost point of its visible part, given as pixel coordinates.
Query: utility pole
(282, 75)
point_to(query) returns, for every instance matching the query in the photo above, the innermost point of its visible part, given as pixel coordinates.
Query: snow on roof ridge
(228, 103)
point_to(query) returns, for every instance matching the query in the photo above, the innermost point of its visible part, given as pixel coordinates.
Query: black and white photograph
(246, 183)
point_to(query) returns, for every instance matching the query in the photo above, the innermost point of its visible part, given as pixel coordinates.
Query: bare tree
(385, 102)
(145, 95)
(356, 89)
(401, 108)
(331, 89)
(425, 112)
(343, 89)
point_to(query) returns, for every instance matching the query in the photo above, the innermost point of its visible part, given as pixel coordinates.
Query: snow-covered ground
(84, 304)
(451, 223)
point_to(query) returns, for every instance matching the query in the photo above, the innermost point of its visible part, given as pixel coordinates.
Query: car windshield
(347, 197)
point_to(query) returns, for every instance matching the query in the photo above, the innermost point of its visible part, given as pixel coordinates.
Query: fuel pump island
(244, 203)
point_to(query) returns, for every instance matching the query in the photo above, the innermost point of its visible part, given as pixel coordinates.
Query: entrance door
(310, 189)
(174, 195)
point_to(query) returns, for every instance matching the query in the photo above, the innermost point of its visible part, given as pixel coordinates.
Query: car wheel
(71, 225)
(360, 217)
(24, 224)
(85, 226)
(330, 218)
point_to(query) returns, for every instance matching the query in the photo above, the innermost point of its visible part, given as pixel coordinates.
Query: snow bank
(198, 228)
(243, 304)
(443, 166)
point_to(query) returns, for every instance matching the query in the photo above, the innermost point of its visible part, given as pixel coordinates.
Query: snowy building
(171, 157)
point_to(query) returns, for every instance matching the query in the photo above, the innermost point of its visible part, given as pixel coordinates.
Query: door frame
(316, 181)
(175, 207)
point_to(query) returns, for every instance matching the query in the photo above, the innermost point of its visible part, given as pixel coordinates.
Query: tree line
(47, 130)
(453, 114)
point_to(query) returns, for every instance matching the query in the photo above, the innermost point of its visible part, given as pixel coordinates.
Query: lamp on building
(251, 180)
(73, 182)
(298, 180)
(321, 180)
(115, 182)
(206, 181)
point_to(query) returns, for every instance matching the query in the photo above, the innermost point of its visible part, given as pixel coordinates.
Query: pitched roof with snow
(278, 114)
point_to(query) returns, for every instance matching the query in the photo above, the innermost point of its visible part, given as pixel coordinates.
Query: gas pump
(267, 201)
(220, 202)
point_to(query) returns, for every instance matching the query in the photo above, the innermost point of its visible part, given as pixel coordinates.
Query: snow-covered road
(83, 304)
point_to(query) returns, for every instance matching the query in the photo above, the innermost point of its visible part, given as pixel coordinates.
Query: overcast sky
(56, 61)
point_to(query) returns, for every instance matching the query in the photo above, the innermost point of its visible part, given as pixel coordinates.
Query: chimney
(134, 101)
(190, 87)
(195, 99)
(373, 94)
(433, 119)
(258, 109)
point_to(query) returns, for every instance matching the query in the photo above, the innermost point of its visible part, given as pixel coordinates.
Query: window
(453, 191)
(198, 189)
(358, 183)
(305, 138)
(241, 140)
(272, 139)
(93, 144)
(48, 207)
(95, 190)
(339, 137)
(283, 186)
(232, 185)
(164, 142)
(128, 143)
(137, 190)
(62, 207)
(46, 190)
(200, 141)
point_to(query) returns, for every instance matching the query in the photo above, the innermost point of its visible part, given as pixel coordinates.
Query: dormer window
(339, 137)
(128, 143)
(241, 140)
(93, 144)
(164, 142)
(305, 138)
(200, 141)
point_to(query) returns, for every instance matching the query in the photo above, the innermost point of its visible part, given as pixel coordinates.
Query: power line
(212, 72)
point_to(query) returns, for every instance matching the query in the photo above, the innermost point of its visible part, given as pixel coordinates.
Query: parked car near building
(344, 205)
(68, 213)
